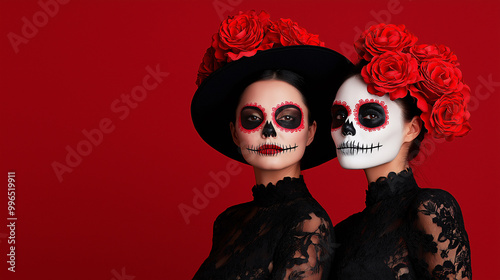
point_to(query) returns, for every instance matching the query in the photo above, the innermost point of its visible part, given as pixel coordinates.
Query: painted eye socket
(339, 115)
(371, 115)
(251, 117)
(288, 116)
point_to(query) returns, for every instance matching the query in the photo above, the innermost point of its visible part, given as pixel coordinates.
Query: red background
(116, 215)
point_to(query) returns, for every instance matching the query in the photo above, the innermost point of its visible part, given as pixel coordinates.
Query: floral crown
(248, 32)
(429, 73)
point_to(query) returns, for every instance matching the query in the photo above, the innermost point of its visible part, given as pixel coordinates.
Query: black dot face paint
(371, 115)
(252, 117)
(288, 117)
(340, 112)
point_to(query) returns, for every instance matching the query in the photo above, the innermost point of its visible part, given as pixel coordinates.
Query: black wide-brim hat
(214, 104)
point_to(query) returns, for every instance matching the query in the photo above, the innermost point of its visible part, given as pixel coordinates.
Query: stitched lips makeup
(353, 147)
(271, 149)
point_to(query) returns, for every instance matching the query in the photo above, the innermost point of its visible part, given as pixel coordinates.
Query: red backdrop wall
(95, 123)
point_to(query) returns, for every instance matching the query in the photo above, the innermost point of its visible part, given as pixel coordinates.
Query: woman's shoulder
(233, 212)
(305, 207)
(435, 197)
(437, 207)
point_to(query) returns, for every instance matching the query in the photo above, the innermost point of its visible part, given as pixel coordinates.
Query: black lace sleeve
(444, 251)
(306, 250)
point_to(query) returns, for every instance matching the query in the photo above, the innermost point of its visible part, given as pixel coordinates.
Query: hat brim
(324, 70)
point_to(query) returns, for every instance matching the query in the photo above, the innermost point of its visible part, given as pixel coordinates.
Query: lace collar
(285, 190)
(390, 186)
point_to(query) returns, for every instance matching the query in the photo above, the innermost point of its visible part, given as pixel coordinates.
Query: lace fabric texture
(282, 234)
(404, 232)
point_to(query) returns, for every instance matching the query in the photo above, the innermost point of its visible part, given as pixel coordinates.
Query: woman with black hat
(263, 99)
(400, 92)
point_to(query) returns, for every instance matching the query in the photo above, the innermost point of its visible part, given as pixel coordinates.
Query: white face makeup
(271, 125)
(367, 129)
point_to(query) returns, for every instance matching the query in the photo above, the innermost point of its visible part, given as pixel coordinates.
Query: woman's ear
(310, 133)
(233, 134)
(413, 129)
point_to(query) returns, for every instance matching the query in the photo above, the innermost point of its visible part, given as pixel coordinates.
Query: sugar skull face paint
(371, 114)
(277, 140)
(288, 117)
(251, 118)
(367, 129)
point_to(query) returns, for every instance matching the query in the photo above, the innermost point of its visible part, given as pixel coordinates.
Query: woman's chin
(272, 163)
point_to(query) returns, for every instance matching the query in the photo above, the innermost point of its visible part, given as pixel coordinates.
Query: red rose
(391, 73)
(241, 35)
(449, 117)
(286, 32)
(208, 65)
(439, 78)
(382, 38)
(426, 52)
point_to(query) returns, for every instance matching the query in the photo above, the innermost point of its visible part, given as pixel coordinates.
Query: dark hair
(287, 76)
(410, 110)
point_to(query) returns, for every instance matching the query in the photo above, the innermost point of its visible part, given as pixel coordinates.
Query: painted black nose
(268, 130)
(348, 129)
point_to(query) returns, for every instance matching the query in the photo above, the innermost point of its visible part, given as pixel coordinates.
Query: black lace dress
(404, 232)
(282, 234)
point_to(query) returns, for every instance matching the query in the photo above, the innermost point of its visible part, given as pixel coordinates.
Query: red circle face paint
(340, 112)
(371, 114)
(252, 117)
(288, 117)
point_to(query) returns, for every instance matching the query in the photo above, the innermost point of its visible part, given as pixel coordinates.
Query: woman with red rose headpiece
(263, 99)
(398, 93)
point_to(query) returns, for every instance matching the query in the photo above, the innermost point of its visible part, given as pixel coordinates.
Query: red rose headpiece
(429, 73)
(247, 44)
(244, 34)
